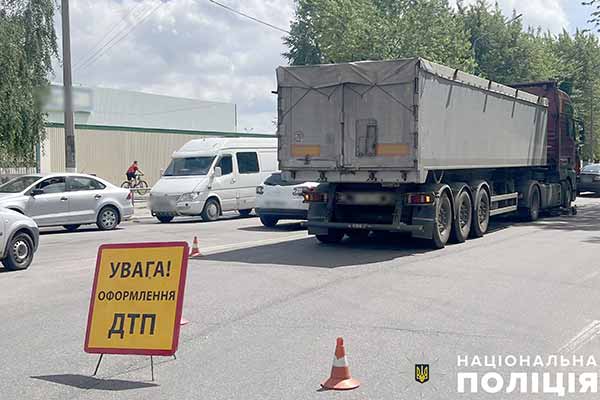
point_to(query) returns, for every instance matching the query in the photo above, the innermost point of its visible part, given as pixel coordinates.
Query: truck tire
(463, 219)
(332, 237)
(443, 221)
(566, 190)
(533, 212)
(481, 214)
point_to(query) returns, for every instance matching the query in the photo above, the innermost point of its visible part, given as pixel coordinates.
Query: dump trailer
(414, 146)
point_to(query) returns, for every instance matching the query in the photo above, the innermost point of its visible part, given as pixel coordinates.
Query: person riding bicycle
(131, 173)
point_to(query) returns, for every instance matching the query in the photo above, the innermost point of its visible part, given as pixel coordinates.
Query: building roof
(113, 107)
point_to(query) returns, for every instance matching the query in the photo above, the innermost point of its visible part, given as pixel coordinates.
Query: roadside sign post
(137, 299)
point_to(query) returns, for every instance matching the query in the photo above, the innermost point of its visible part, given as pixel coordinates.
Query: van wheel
(20, 253)
(443, 221)
(481, 214)
(333, 236)
(269, 221)
(464, 215)
(245, 213)
(211, 211)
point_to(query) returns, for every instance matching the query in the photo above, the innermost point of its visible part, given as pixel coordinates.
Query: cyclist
(133, 170)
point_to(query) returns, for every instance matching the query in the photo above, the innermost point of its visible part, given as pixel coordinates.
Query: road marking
(588, 277)
(587, 334)
(241, 245)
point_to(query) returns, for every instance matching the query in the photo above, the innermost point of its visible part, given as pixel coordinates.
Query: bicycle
(140, 185)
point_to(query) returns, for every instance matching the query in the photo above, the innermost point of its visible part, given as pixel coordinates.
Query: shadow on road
(81, 231)
(308, 252)
(89, 382)
(587, 219)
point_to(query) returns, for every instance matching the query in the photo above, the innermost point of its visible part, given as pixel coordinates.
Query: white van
(209, 176)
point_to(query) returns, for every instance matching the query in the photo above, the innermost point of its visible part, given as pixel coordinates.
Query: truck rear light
(312, 196)
(420, 198)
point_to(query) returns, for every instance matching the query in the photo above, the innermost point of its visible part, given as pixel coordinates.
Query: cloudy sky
(195, 49)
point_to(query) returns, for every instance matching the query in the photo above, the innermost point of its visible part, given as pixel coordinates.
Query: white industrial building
(114, 127)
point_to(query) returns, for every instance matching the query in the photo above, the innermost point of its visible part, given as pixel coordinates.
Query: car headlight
(596, 178)
(189, 196)
(299, 191)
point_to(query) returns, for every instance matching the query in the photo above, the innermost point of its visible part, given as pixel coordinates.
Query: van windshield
(189, 166)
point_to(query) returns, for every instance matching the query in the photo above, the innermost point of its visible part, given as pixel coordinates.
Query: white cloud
(187, 48)
(549, 14)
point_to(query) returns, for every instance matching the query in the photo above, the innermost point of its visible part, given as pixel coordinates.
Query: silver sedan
(70, 200)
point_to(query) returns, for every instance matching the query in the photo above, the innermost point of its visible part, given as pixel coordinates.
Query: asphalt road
(265, 307)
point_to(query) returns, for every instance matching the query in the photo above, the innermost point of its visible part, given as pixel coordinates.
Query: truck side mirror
(218, 172)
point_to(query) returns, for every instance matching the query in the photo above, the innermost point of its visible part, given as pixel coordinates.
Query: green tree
(352, 30)
(27, 46)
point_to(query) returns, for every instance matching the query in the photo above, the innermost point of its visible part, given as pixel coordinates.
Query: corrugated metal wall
(108, 153)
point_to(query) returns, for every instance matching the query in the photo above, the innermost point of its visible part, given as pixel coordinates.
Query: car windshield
(189, 166)
(275, 180)
(18, 185)
(594, 168)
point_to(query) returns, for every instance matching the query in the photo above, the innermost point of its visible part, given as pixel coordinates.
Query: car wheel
(211, 211)
(108, 218)
(165, 219)
(20, 253)
(71, 228)
(245, 213)
(269, 221)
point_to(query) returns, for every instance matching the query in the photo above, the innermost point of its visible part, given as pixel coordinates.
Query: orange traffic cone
(195, 249)
(340, 378)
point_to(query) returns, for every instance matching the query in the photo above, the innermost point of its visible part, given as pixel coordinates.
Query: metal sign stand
(151, 365)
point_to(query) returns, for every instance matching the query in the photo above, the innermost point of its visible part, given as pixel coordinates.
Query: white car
(277, 200)
(67, 199)
(19, 237)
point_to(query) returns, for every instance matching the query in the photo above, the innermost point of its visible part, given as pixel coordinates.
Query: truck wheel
(211, 211)
(533, 212)
(481, 214)
(566, 194)
(464, 214)
(443, 221)
(333, 236)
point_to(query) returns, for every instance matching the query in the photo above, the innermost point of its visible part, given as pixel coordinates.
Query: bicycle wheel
(141, 188)
(125, 185)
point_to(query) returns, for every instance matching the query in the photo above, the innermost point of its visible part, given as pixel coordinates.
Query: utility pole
(70, 165)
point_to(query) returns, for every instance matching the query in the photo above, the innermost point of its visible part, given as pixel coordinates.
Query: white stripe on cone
(340, 362)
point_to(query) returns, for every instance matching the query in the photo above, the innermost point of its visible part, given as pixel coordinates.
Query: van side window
(247, 163)
(226, 165)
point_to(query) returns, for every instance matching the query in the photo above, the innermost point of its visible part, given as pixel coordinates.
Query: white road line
(240, 245)
(587, 334)
(588, 277)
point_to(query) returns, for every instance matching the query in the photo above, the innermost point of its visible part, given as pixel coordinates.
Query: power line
(112, 43)
(121, 26)
(249, 17)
